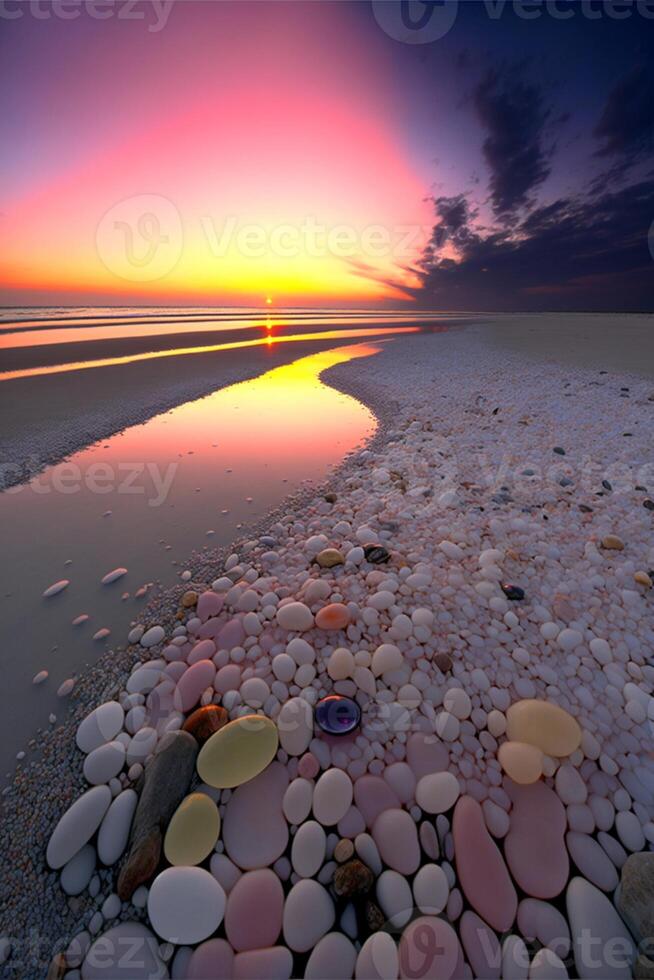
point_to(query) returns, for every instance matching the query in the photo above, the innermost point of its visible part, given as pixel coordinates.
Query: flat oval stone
(590, 913)
(297, 800)
(185, 905)
(256, 835)
(534, 846)
(431, 889)
(337, 715)
(332, 797)
(273, 963)
(308, 850)
(253, 917)
(481, 870)
(192, 831)
(335, 616)
(295, 726)
(523, 763)
(295, 616)
(103, 763)
(437, 792)
(102, 725)
(238, 752)
(545, 725)
(395, 898)
(592, 860)
(378, 958)
(396, 836)
(115, 827)
(111, 955)
(308, 915)
(372, 796)
(430, 949)
(76, 874)
(193, 683)
(205, 722)
(77, 825)
(56, 588)
(333, 956)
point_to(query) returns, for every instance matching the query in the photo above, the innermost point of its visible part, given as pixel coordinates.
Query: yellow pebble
(193, 830)
(643, 579)
(523, 763)
(543, 724)
(612, 542)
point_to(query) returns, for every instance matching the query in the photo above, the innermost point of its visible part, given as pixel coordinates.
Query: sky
(464, 156)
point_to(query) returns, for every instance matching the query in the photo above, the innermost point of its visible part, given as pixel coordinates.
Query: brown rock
(343, 850)
(165, 781)
(374, 917)
(613, 543)
(57, 968)
(443, 661)
(353, 878)
(330, 498)
(205, 722)
(189, 599)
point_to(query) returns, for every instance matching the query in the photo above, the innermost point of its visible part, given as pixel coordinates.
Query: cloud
(626, 127)
(586, 252)
(513, 113)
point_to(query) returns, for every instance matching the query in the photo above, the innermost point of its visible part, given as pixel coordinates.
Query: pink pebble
(352, 824)
(335, 616)
(227, 679)
(535, 845)
(253, 917)
(274, 963)
(396, 837)
(430, 949)
(204, 650)
(214, 958)
(426, 754)
(191, 686)
(231, 635)
(372, 795)
(209, 604)
(308, 766)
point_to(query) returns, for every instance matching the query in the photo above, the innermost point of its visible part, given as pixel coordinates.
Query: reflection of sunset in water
(178, 351)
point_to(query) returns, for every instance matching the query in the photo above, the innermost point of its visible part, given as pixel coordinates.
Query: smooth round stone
(402, 781)
(224, 871)
(329, 557)
(628, 829)
(272, 963)
(545, 725)
(335, 616)
(295, 616)
(238, 752)
(297, 801)
(569, 785)
(437, 792)
(192, 831)
(255, 831)
(333, 956)
(102, 725)
(308, 849)
(332, 797)
(372, 796)
(152, 636)
(394, 898)
(430, 949)
(205, 722)
(253, 917)
(481, 946)
(115, 827)
(591, 914)
(341, 664)
(213, 958)
(308, 915)
(396, 837)
(481, 870)
(295, 726)
(523, 763)
(534, 847)
(144, 679)
(378, 958)
(431, 889)
(77, 825)
(541, 921)
(111, 955)
(426, 754)
(103, 763)
(209, 604)
(185, 905)
(56, 588)
(113, 576)
(141, 745)
(592, 861)
(204, 650)
(76, 874)
(337, 715)
(193, 683)
(386, 657)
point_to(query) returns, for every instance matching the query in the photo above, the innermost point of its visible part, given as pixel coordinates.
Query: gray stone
(165, 782)
(635, 898)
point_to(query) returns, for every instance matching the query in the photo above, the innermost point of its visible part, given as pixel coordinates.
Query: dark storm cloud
(577, 253)
(626, 126)
(513, 114)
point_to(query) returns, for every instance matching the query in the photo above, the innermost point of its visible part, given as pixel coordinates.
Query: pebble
(396, 836)
(185, 905)
(378, 958)
(613, 543)
(332, 797)
(537, 815)
(591, 914)
(523, 763)
(192, 831)
(238, 752)
(56, 588)
(115, 827)
(113, 576)
(255, 835)
(295, 616)
(333, 956)
(437, 792)
(543, 724)
(253, 916)
(77, 825)
(308, 915)
(431, 889)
